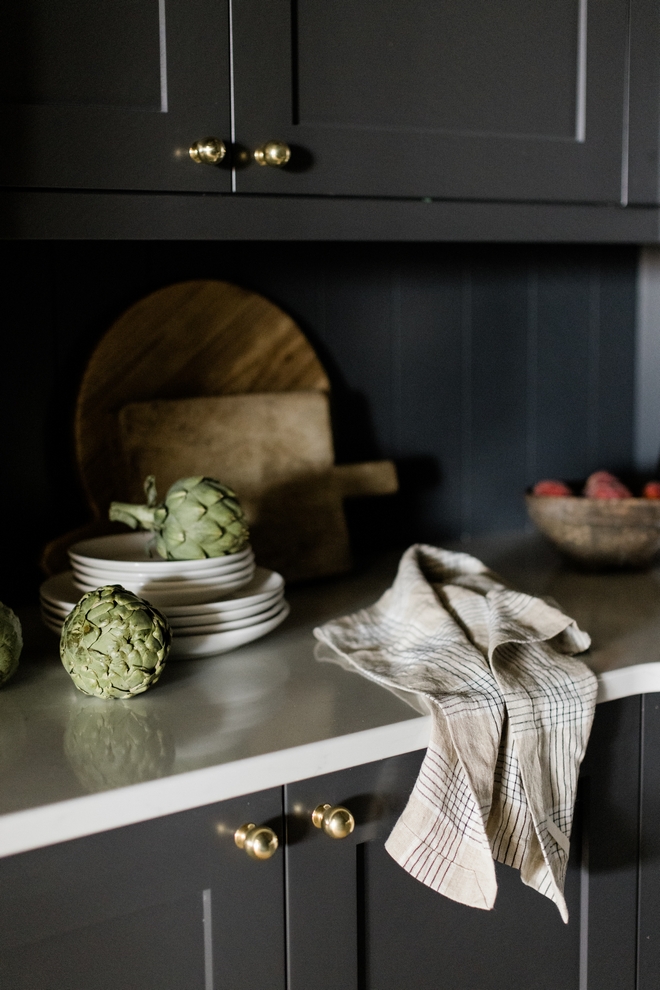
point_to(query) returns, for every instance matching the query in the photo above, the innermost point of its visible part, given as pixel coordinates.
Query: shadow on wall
(394, 522)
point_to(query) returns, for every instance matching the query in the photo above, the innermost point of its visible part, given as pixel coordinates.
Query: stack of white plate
(213, 605)
(126, 559)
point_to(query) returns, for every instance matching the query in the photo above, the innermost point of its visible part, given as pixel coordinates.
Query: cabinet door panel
(110, 95)
(158, 945)
(473, 950)
(400, 926)
(170, 904)
(649, 872)
(357, 919)
(610, 788)
(516, 100)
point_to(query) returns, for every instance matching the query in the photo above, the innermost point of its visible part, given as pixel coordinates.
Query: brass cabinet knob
(259, 841)
(337, 822)
(275, 153)
(208, 151)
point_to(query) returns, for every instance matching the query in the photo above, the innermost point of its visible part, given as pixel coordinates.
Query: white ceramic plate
(263, 586)
(197, 625)
(224, 624)
(53, 624)
(207, 645)
(221, 642)
(230, 615)
(183, 627)
(121, 549)
(175, 575)
(191, 594)
(53, 612)
(128, 580)
(60, 592)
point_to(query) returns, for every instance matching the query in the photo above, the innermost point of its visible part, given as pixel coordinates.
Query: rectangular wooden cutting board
(275, 450)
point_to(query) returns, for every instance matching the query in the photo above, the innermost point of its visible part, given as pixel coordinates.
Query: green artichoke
(199, 518)
(114, 644)
(11, 643)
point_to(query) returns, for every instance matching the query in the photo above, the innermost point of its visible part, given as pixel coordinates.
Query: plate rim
(217, 648)
(174, 586)
(207, 575)
(229, 625)
(203, 562)
(260, 628)
(264, 574)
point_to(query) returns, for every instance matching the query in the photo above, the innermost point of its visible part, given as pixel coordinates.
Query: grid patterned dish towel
(511, 710)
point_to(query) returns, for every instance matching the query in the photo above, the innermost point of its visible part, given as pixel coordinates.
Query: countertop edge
(62, 821)
(34, 828)
(641, 678)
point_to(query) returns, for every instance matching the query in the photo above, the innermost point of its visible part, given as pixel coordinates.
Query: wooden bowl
(599, 533)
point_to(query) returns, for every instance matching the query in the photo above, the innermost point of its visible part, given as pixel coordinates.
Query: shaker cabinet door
(649, 869)
(170, 904)
(458, 99)
(357, 920)
(111, 94)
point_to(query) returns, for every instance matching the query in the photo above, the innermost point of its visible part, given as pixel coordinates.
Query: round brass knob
(208, 151)
(275, 153)
(259, 841)
(337, 822)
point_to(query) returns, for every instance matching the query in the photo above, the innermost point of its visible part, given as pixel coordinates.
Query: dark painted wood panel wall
(479, 368)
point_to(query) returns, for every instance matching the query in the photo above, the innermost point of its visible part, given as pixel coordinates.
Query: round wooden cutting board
(183, 383)
(201, 338)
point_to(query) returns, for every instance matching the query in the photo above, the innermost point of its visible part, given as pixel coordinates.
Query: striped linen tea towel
(511, 714)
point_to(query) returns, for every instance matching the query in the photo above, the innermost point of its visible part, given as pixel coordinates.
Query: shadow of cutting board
(275, 450)
(190, 341)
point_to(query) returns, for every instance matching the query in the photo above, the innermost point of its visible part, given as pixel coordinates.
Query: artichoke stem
(150, 490)
(135, 516)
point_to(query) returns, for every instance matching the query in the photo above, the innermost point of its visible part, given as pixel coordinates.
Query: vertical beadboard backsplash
(479, 368)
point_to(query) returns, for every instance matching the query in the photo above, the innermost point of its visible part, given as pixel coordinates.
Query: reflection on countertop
(270, 696)
(263, 697)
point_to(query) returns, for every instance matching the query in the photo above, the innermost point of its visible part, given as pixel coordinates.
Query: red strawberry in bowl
(549, 487)
(602, 484)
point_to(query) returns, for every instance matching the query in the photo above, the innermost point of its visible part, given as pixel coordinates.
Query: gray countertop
(268, 712)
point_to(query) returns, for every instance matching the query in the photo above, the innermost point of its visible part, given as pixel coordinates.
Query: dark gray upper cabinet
(643, 152)
(111, 94)
(516, 100)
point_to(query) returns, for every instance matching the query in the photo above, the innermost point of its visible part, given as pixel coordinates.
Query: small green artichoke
(114, 644)
(11, 643)
(199, 518)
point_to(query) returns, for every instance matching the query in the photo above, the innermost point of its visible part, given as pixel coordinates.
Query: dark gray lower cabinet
(357, 920)
(649, 872)
(170, 904)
